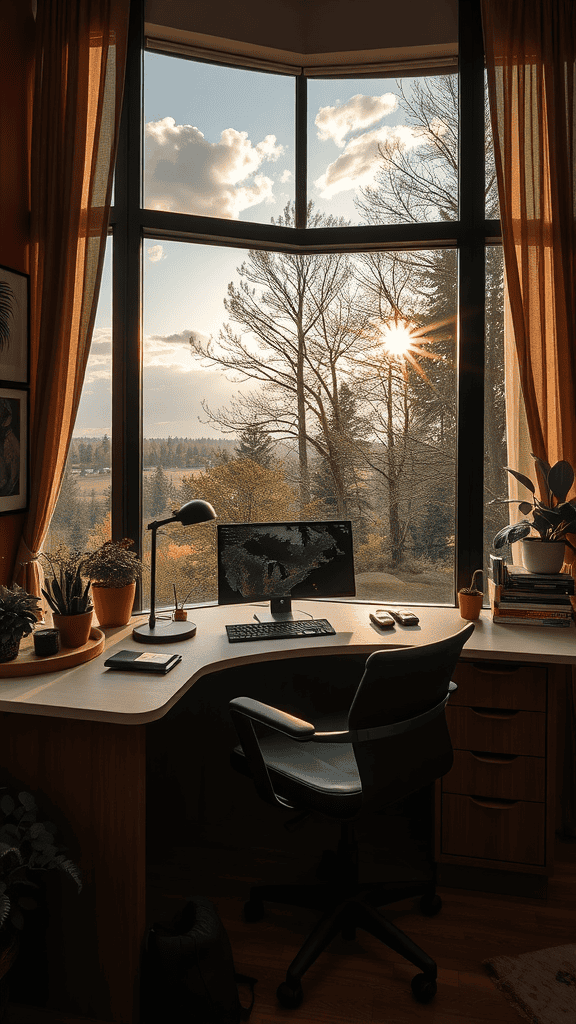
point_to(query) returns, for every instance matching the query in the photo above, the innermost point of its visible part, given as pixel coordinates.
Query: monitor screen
(267, 561)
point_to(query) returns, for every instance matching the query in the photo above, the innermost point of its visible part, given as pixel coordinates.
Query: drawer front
(498, 685)
(510, 776)
(504, 831)
(497, 731)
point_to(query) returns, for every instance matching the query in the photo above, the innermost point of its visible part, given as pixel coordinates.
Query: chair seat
(320, 776)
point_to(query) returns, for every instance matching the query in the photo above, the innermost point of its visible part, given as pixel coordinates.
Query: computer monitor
(279, 561)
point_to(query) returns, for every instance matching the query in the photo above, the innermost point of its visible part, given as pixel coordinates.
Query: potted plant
(27, 844)
(18, 615)
(470, 598)
(68, 595)
(544, 535)
(113, 570)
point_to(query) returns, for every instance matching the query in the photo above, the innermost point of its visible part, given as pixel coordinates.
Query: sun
(399, 339)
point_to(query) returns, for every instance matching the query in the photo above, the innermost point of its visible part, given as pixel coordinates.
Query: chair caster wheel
(430, 905)
(423, 988)
(253, 910)
(289, 996)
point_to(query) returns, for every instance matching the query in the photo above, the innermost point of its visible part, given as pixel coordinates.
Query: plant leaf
(510, 534)
(523, 479)
(560, 479)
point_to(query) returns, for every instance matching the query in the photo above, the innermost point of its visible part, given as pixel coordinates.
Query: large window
(307, 316)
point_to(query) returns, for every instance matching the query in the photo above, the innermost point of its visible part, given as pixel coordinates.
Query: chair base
(346, 905)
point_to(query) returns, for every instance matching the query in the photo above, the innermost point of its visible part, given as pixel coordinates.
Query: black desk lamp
(169, 632)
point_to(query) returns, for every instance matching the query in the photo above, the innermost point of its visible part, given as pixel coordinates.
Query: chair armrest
(280, 721)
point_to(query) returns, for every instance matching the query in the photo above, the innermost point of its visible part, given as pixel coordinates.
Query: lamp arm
(152, 618)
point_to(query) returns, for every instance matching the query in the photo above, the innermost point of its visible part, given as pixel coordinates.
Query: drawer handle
(495, 670)
(495, 803)
(500, 713)
(493, 758)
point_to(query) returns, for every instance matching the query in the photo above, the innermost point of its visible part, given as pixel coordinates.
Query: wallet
(143, 661)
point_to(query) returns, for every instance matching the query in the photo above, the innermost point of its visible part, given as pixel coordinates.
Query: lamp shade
(196, 511)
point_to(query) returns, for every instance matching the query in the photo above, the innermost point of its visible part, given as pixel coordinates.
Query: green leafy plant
(67, 592)
(18, 613)
(473, 589)
(26, 845)
(113, 564)
(553, 517)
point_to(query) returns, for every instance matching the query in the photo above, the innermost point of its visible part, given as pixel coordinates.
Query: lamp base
(164, 632)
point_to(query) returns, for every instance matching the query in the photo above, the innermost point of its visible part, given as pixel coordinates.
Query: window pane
(81, 518)
(384, 151)
(219, 141)
(495, 407)
(314, 387)
(491, 196)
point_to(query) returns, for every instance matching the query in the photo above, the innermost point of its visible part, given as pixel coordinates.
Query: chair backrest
(399, 684)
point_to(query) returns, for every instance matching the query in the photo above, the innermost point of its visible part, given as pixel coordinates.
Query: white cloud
(358, 163)
(156, 253)
(358, 112)
(186, 173)
(285, 176)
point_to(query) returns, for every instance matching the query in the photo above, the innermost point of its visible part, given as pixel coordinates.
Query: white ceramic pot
(542, 556)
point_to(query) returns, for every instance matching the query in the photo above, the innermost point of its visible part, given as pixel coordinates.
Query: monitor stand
(280, 611)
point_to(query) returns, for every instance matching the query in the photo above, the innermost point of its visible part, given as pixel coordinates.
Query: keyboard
(289, 630)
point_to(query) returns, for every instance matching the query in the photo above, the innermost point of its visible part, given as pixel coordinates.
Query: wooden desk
(78, 740)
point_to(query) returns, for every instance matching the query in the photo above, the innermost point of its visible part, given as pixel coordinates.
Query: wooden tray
(29, 664)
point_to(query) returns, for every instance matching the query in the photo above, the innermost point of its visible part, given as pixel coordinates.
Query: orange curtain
(531, 65)
(79, 75)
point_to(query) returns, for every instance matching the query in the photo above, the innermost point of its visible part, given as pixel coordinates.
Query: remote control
(382, 619)
(403, 617)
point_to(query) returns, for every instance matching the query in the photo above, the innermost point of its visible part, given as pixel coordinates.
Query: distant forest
(93, 453)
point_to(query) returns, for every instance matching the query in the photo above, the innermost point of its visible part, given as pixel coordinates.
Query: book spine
(505, 620)
(552, 606)
(497, 566)
(531, 613)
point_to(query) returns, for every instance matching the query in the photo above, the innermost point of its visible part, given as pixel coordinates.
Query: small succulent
(112, 564)
(67, 592)
(552, 517)
(26, 844)
(472, 589)
(18, 613)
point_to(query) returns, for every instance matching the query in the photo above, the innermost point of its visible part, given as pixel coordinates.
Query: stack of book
(529, 598)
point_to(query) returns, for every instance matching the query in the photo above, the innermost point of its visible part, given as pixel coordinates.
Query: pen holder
(46, 641)
(180, 615)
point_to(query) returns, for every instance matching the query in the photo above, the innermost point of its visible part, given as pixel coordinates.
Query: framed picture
(13, 450)
(14, 326)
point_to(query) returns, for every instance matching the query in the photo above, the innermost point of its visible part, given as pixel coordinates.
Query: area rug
(540, 985)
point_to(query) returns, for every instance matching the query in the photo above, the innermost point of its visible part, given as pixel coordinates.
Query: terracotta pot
(542, 555)
(113, 605)
(470, 605)
(74, 629)
(180, 615)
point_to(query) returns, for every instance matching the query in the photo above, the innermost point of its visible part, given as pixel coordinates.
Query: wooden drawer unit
(511, 831)
(493, 808)
(508, 776)
(497, 730)
(497, 685)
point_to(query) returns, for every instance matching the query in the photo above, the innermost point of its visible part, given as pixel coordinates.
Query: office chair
(392, 742)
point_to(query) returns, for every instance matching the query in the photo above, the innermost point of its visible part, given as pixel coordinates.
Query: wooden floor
(359, 981)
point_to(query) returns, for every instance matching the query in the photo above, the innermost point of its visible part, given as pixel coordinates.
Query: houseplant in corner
(27, 844)
(545, 534)
(18, 615)
(67, 593)
(113, 570)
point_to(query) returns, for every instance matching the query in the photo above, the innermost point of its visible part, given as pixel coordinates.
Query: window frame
(132, 224)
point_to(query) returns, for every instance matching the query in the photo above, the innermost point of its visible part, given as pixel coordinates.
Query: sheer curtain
(79, 74)
(531, 66)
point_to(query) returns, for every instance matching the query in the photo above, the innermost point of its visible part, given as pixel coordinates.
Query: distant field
(98, 482)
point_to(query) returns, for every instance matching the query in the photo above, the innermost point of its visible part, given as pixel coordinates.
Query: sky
(219, 141)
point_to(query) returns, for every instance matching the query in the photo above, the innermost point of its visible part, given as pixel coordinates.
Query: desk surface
(95, 693)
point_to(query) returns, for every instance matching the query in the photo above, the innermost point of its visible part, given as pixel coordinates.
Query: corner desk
(78, 740)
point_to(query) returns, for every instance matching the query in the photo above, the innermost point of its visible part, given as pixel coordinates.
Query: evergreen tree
(158, 494)
(256, 444)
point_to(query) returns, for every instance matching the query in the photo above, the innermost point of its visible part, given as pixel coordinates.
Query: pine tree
(255, 443)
